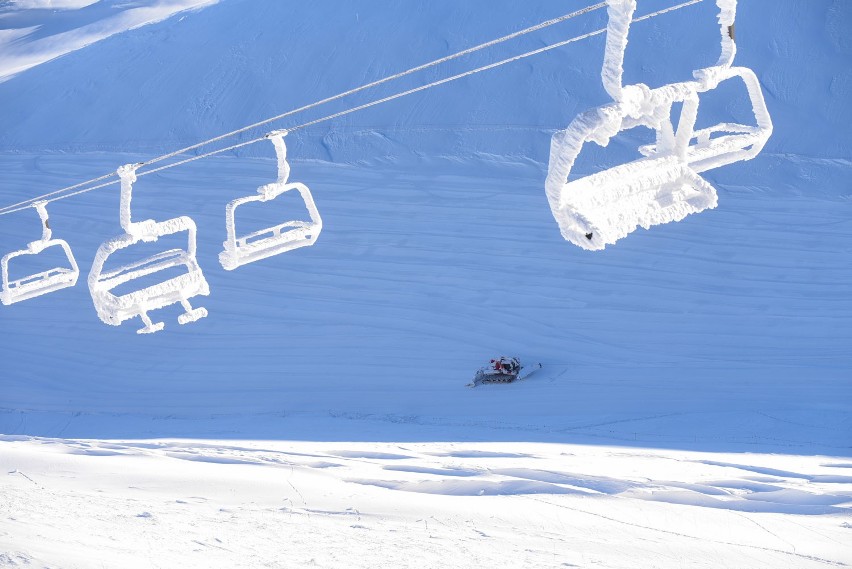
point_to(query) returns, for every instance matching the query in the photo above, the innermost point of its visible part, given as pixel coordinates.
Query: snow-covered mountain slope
(730, 327)
(185, 79)
(428, 266)
(695, 404)
(33, 32)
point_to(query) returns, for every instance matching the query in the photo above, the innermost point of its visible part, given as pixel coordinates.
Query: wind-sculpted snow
(295, 504)
(664, 185)
(69, 32)
(51, 4)
(169, 92)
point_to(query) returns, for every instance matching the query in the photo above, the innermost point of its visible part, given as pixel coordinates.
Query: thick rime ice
(280, 238)
(114, 309)
(620, 14)
(727, 17)
(664, 185)
(44, 282)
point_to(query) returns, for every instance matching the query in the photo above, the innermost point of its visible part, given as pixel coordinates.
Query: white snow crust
(244, 504)
(51, 4)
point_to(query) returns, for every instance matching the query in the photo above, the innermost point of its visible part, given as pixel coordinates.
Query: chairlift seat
(44, 282)
(601, 208)
(114, 309)
(604, 207)
(286, 236)
(117, 308)
(37, 284)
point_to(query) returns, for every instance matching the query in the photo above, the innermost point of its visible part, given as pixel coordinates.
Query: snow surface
(695, 405)
(249, 504)
(28, 37)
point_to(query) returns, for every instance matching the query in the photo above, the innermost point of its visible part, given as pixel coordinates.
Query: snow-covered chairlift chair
(726, 143)
(44, 282)
(601, 208)
(664, 185)
(286, 236)
(114, 309)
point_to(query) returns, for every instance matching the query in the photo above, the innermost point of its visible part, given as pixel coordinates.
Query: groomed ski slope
(694, 411)
(422, 274)
(695, 406)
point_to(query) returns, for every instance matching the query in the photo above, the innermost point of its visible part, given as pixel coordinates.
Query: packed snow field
(307, 504)
(694, 407)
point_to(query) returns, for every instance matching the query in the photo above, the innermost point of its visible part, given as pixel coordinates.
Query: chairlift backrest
(57, 278)
(114, 309)
(280, 238)
(737, 141)
(726, 143)
(601, 208)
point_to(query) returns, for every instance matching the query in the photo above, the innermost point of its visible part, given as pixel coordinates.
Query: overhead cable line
(378, 82)
(309, 106)
(481, 69)
(54, 197)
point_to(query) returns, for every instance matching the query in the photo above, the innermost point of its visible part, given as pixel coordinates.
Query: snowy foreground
(179, 503)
